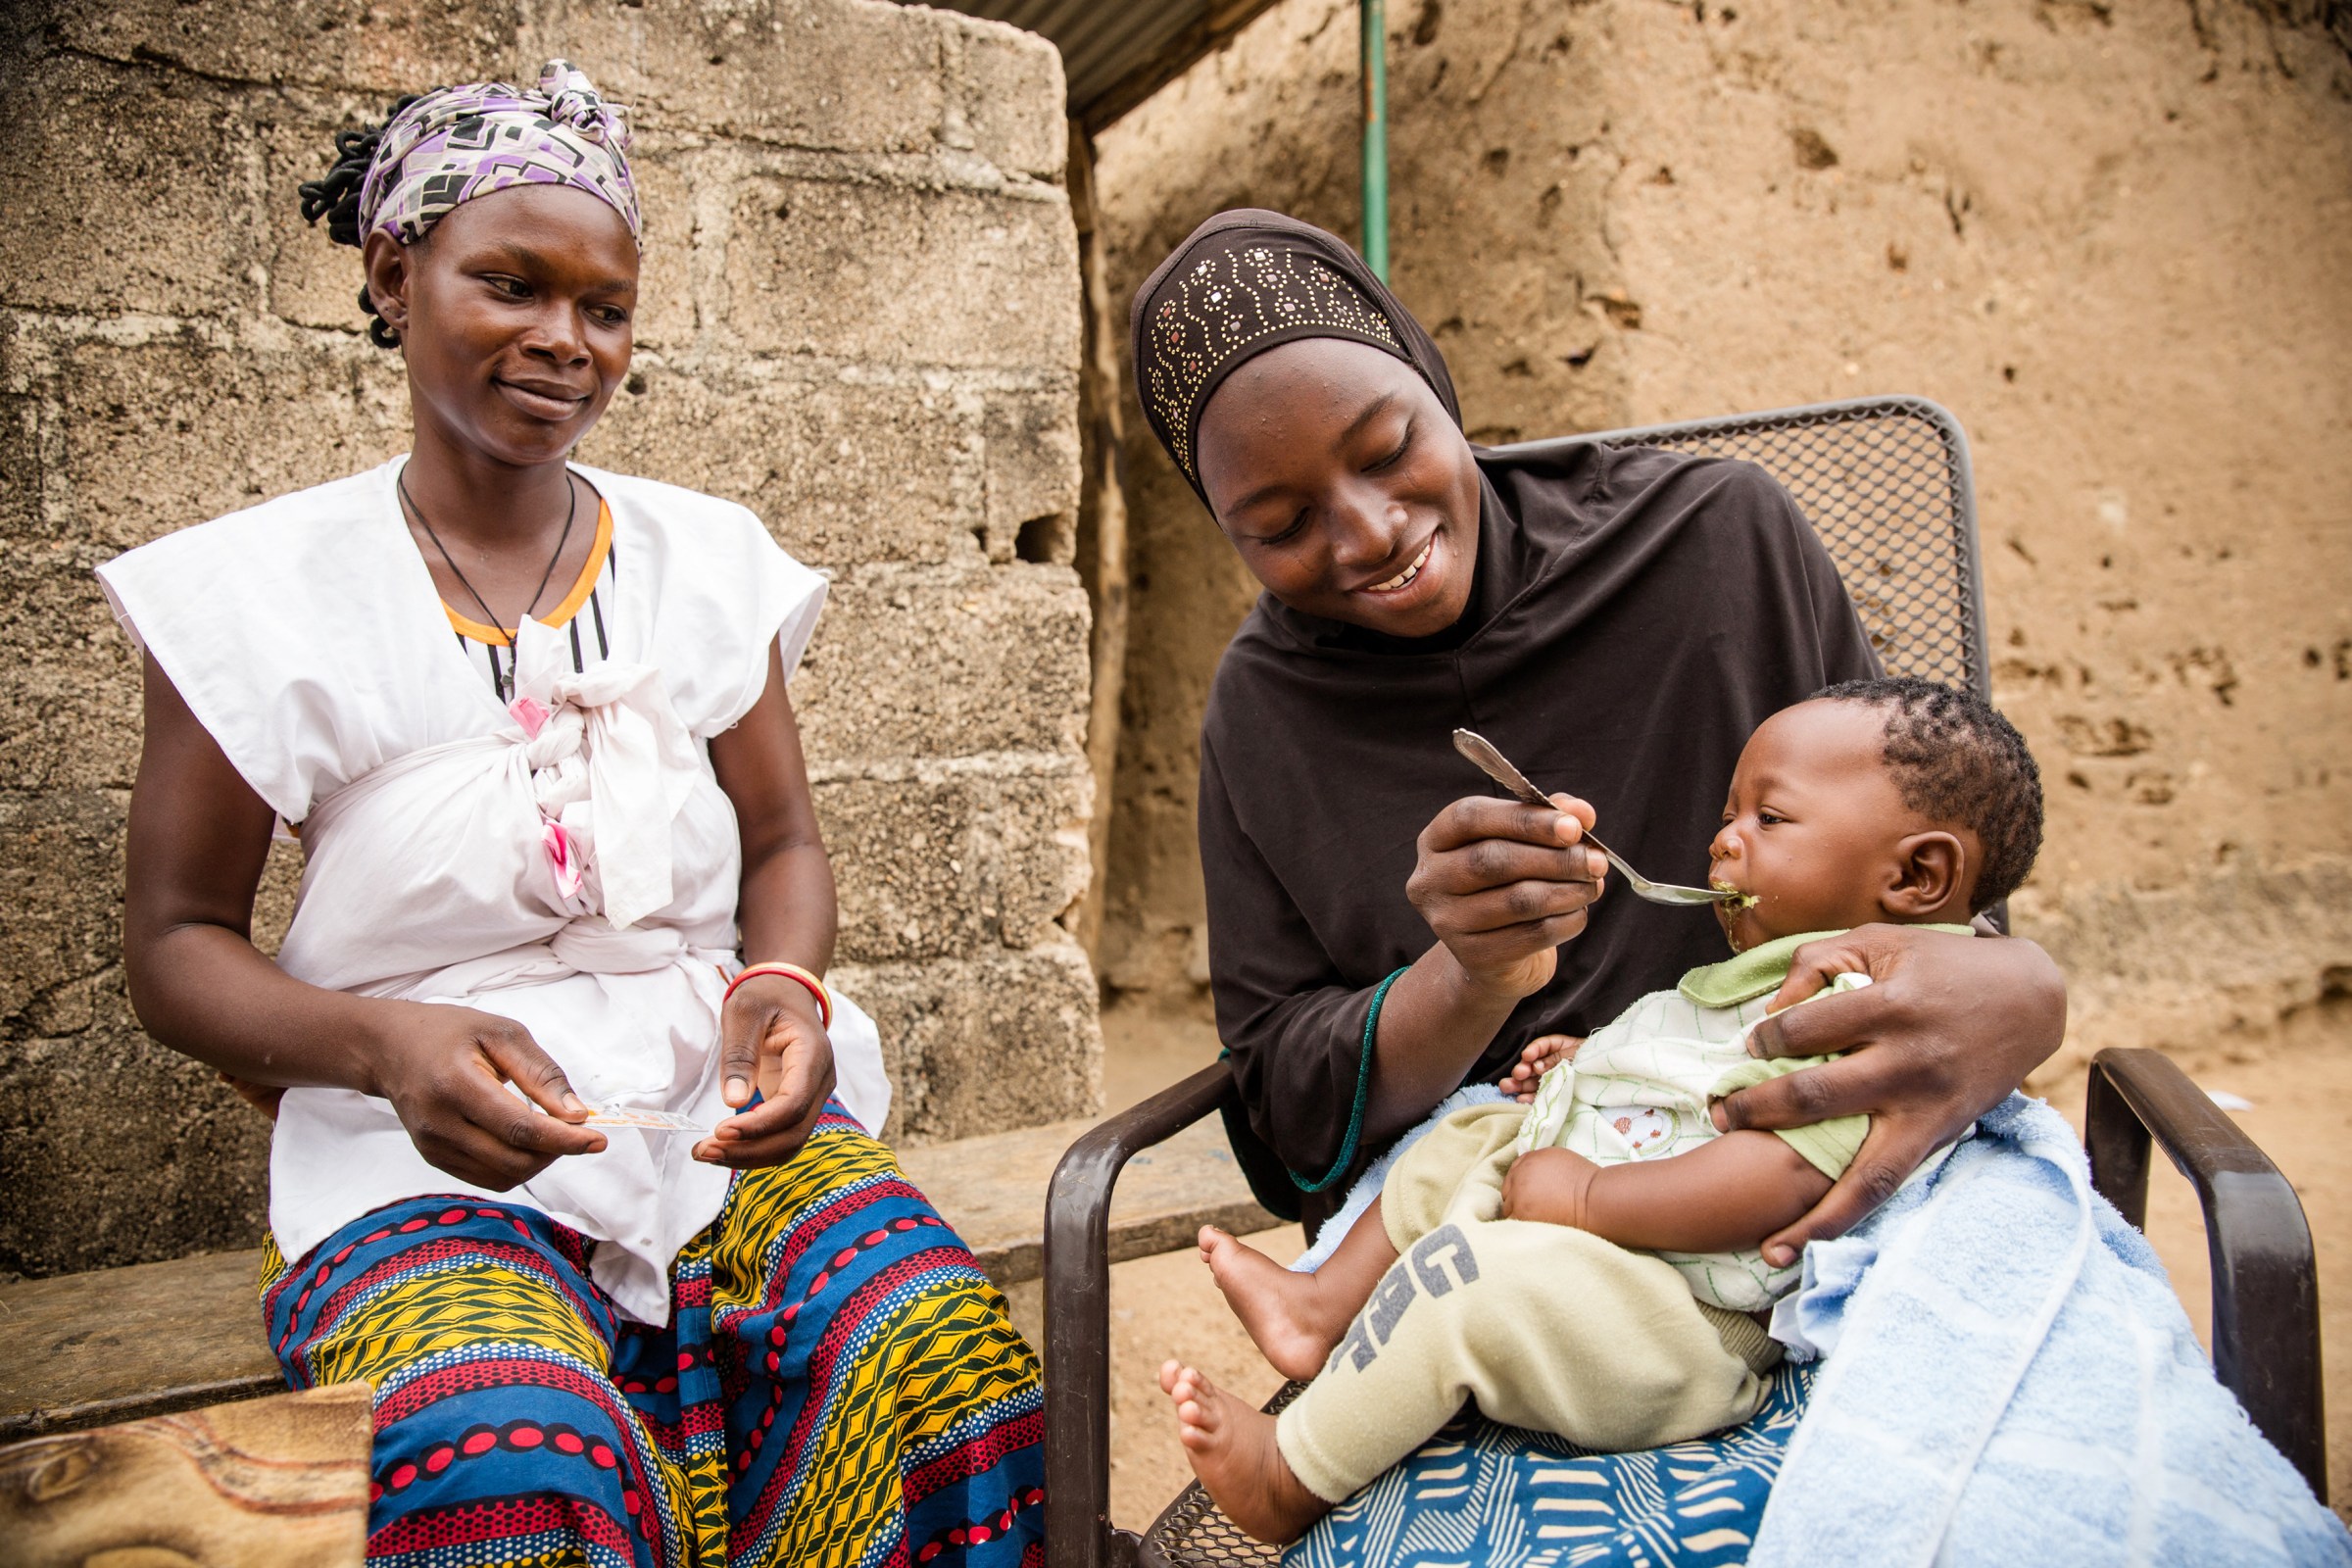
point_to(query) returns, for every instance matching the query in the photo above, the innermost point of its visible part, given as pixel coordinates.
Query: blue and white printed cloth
(1482, 1495)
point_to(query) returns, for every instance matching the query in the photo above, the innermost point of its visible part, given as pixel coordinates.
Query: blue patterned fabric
(1482, 1495)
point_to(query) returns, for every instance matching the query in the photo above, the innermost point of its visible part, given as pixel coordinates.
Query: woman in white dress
(591, 1200)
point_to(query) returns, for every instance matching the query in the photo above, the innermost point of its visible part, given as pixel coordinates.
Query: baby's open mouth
(1733, 899)
(1409, 573)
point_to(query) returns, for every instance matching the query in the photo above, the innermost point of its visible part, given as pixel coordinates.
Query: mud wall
(861, 319)
(2116, 240)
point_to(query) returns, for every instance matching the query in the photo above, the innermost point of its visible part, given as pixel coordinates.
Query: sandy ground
(2299, 1082)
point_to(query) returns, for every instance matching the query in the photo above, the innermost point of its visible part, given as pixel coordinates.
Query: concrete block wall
(860, 319)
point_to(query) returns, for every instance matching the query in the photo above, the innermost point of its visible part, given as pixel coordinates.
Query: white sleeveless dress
(566, 861)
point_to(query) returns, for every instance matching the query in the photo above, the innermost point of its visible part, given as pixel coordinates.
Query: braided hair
(335, 197)
(1956, 760)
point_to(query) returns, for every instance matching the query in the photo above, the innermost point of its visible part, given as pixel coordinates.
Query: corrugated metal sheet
(1102, 41)
(1114, 51)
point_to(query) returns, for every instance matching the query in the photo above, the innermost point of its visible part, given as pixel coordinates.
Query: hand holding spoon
(1498, 768)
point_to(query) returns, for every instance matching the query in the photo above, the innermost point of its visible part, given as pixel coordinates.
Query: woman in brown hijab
(1383, 927)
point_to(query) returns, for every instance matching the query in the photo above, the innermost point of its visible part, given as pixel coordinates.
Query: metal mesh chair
(1886, 483)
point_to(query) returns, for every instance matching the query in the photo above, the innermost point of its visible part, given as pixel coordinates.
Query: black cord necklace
(504, 683)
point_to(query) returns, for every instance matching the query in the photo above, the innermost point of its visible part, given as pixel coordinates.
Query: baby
(1588, 1264)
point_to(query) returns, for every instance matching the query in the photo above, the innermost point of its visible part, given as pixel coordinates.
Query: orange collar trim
(581, 587)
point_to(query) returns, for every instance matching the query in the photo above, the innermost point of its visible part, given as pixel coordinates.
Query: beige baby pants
(1546, 1326)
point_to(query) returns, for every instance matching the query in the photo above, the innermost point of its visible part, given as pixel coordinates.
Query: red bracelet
(790, 972)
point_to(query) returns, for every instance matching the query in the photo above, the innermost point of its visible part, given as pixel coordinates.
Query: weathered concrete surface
(861, 319)
(2117, 240)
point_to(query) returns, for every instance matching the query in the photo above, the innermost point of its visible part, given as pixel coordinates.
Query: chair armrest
(1078, 1528)
(2266, 1301)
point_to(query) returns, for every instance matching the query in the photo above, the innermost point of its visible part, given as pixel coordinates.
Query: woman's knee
(433, 1278)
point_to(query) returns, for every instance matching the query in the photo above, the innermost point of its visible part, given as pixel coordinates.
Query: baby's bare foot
(1233, 1451)
(1276, 1306)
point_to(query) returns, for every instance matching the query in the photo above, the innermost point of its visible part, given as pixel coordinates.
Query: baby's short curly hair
(1958, 760)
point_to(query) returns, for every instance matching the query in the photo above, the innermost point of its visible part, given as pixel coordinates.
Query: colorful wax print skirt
(1496, 1496)
(839, 1383)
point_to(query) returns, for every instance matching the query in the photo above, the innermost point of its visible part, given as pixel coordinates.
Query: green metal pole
(1375, 20)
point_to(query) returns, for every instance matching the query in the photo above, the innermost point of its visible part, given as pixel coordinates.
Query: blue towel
(2008, 1377)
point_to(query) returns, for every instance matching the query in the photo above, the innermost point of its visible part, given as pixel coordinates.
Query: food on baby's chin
(1737, 898)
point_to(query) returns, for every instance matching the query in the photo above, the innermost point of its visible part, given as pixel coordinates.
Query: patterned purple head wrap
(457, 143)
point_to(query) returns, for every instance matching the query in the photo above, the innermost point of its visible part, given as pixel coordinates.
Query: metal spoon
(1498, 768)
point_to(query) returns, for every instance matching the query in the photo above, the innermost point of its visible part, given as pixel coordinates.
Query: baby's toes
(1197, 1404)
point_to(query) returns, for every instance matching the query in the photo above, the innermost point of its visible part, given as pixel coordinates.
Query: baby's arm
(1723, 1197)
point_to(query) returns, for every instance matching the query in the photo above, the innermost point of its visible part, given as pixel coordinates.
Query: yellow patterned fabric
(839, 1383)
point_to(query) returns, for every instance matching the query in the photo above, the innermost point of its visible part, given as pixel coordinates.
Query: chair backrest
(1885, 483)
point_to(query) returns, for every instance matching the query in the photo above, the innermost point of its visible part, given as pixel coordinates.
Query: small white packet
(665, 1121)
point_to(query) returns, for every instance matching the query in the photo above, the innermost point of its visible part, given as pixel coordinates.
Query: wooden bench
(280, 1480)
(119, 1344)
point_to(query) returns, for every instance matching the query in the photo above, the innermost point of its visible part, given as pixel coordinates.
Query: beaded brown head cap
(1246, 282)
